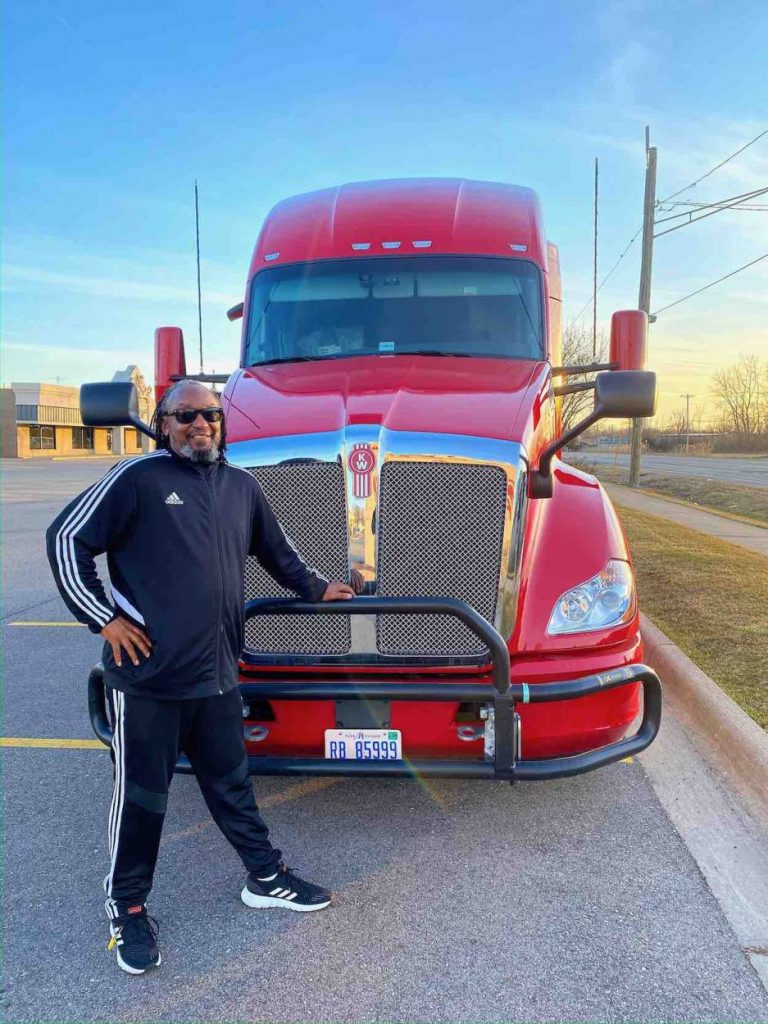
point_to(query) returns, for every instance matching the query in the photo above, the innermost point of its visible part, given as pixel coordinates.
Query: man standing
(176, 526)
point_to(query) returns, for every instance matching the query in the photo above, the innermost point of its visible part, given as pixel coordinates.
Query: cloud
(95, 353)
(104, 287)
(620, 81)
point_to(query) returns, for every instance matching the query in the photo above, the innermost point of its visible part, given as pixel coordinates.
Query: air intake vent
(308, 499)
(440, 534)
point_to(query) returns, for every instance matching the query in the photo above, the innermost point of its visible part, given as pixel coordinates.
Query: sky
(112, 112)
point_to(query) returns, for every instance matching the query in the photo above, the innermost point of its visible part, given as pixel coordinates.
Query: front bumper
(500, 697)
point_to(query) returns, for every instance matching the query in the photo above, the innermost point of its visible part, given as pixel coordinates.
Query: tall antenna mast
(594, 282)
(199, 293)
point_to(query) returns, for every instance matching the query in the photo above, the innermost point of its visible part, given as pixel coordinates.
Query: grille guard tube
(501, 694)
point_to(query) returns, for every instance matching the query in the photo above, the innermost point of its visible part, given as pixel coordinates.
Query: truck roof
(407, 216)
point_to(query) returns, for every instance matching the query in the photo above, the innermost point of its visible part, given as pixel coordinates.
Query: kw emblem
(362, 462)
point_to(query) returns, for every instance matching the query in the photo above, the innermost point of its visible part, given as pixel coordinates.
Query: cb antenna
(199, 294)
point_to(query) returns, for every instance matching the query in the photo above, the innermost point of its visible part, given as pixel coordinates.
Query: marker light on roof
(518, 248)
(391, 245)
(271, 256)
(361, 246)
(421, 245)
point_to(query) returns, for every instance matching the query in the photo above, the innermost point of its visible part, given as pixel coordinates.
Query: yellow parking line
(32, 741)
(47, 624)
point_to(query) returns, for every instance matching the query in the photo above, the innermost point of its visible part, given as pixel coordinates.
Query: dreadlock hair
(161, 409)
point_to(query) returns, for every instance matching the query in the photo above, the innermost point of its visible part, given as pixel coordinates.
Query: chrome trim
(397, 445)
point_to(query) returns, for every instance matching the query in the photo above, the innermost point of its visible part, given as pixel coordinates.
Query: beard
(202, 456)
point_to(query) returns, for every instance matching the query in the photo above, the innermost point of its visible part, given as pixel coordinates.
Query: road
(752, 472)
(568, 901)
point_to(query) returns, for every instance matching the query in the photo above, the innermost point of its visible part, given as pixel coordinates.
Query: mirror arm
(143, 427)
(565, 371)
(541, 478)
(206, 378)
(572, 389)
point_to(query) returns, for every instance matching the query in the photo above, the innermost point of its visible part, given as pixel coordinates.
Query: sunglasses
(187, 416)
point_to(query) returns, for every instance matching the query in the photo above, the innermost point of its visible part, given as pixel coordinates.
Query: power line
(720, 204)
(710, 285)
(705, 206)
(704, 216)
(618, 261)
(717, 166)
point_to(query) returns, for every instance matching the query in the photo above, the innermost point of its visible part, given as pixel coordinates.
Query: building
(48, 422)
(8, 444)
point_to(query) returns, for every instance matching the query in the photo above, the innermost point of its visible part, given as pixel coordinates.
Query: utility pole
(644, 300)
(687, 421)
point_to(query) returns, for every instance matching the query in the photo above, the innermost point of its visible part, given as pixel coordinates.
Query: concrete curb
(724, 734)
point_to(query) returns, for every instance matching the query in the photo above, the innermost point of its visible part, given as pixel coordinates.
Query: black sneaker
(134, 936)
(285, 890)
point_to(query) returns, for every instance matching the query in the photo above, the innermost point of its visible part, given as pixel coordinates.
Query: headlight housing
(607, 599)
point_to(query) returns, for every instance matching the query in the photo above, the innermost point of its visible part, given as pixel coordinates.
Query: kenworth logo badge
(362, 462)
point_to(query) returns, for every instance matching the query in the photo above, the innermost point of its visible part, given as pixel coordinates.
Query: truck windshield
(446, 305)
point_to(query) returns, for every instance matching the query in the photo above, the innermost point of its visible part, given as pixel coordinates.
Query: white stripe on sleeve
(65, 542)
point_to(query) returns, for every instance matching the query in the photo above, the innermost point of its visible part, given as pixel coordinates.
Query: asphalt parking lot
(457, 901)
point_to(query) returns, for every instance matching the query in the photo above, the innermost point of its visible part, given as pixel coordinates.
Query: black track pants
(149, 734)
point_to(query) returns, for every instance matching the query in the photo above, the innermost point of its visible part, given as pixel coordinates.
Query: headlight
(608, 599)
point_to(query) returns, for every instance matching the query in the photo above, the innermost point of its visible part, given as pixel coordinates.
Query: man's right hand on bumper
(121, 634)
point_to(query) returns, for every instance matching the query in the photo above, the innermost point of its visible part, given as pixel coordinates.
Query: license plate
(363, 744)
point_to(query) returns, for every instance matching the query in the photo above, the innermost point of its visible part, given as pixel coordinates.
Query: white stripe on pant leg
(116, 751)
(120, 775)
(115, 754)
(110, 906)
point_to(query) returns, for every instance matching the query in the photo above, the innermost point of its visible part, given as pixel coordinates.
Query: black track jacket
(176, 535)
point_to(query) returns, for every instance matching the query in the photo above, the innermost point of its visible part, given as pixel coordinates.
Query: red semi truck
(398, 399)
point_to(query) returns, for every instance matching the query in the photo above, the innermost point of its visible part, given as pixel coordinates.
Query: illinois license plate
(363, 744)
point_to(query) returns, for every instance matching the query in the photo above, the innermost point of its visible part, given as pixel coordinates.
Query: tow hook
(469, 733)
(489, 733)
(256, 733)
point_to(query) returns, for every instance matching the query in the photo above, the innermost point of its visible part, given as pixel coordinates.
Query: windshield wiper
(431, 352)
(292, 359)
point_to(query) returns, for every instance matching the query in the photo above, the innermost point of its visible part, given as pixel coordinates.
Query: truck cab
(398, 400)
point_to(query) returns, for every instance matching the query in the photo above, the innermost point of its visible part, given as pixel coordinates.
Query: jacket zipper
(220, 627)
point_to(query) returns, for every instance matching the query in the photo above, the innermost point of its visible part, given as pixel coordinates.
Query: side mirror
(619, 394)
(629, 339)
(170, 362)
(112, 404)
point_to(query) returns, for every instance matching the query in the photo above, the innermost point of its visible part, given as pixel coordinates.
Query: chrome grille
(440, 534)
(308, 499)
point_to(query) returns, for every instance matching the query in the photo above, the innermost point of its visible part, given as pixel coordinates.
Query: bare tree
(741, 395)
(577, 351)
(676, 423)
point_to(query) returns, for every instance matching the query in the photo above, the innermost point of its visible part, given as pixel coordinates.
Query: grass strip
(735, 499)
(711, 598)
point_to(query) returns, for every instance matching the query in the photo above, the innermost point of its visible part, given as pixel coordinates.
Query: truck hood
(436, 394)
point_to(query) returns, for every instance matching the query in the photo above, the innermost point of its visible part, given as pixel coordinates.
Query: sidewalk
(754, 538)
